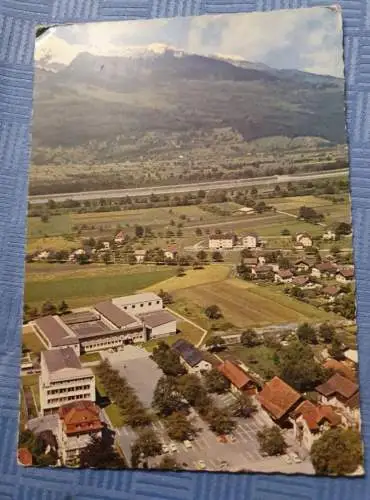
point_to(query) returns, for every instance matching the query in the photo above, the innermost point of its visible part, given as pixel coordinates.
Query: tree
(336, 349)
(63, 307)
(82, 259)
(299, 368)
(139, 231)
(217, 256)
(216, 342)
(249, 338)
(215, 381)
(271, 441)
(337, 452)
(326, 332)
(168, 463)
(202, 256)
(191, 388)
(309, 214)
(146, 445)
(335, 250)
(246, 253)
(243, 406)
(168, 360)
(107, 258)
(285, 232)
(284, 262)
(297, 292)
(48, 309)
(178, 427)
(342, 228)
(306, 334)
(213, 312)
(100, 454)
(166, 398)
(220, 421)
(166, 297)
(180, 271)
(198, 231)
(44, 218)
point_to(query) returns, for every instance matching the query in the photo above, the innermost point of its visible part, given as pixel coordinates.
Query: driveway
(141, 372)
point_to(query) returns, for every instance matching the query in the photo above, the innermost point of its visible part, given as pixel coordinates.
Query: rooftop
(57, 333)
(341, 368)
(188, 352)
(285, 273)
(277, 397)
(91, 329)
(135, 299)
(316, 415)
(300, 280)
(115, 314)
(157, 318)
(337, 384)
(79, 317)
(331, 290)
(223, 236)
(346, 272)
(24, 456)
(59, 359)
(80, 416)
(235, 375)
(326, 266)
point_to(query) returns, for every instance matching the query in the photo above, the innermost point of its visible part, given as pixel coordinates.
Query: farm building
(303, 265)
(283, 276)
(338, 391)
(345, 275)
(220, 241)
(140, 256)
(191, 357)
(324, 270)
(170, 253)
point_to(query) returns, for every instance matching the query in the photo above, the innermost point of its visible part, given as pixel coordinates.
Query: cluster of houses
(336, 401)
(67, 387)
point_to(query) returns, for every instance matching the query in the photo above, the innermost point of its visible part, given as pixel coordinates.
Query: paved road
(183, 188)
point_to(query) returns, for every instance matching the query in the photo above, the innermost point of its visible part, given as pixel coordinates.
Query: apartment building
(63, 380)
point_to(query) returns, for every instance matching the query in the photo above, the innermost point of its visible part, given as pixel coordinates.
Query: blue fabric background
(17, 27)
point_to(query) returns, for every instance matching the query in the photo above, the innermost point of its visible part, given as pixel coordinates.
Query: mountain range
(166, 91)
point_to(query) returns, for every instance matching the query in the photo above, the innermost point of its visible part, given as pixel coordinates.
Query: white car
(187, 444)
(165, 448)
(173, 447)
(287, 459)
(201, 465)
(295, 458)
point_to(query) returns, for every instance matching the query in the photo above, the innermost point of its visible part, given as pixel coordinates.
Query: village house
(324, 270)
(303, 265)
(250, 240)
(106, 245)
(140, 256)
(77, 423)
(119, 238)
(283, 276)
(262, 272)
(247, 210)
(330, 292)
(310, 421)
(170, 253)
(279, 400)
(240, 381)
(351, 356)
(342, 393)
(43, 255)
(303, 240)
(305, 282)
(329, 235)
(261, 260)
(341, 368)
(250, 261)
(345, 275)
(191, 357)
(221, 241)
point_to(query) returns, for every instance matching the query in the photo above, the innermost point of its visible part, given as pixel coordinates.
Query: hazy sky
(306, 39)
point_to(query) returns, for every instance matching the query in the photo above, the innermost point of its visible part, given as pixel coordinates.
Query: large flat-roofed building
(108, 324)
(139, 303)
(63, 379)
(55, 333)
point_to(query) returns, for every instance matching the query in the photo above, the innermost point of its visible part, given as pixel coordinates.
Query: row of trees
(122, 394)
(48, 308)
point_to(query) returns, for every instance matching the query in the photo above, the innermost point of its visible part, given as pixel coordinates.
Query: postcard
(189, 294)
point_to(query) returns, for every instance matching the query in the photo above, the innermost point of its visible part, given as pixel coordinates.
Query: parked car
(165, 448)
(201, 465)
(173, 447)
(187, 444)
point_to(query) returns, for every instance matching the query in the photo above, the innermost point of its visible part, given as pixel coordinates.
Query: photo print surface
(189, 293)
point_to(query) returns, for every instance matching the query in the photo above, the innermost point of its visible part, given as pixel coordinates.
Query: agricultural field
(245, 304)
(84, 289)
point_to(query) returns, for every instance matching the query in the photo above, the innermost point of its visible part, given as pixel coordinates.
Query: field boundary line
(205, 332)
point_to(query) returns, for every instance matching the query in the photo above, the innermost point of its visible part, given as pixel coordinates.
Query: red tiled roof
(346, 273)
(315, 415)
(24, 456)
(330, 290)
(285, 273)
(337, 384)
(80, 416)
(301, 280)
(341, 368)
(326, 266)
(234, 374)
(277, 397)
